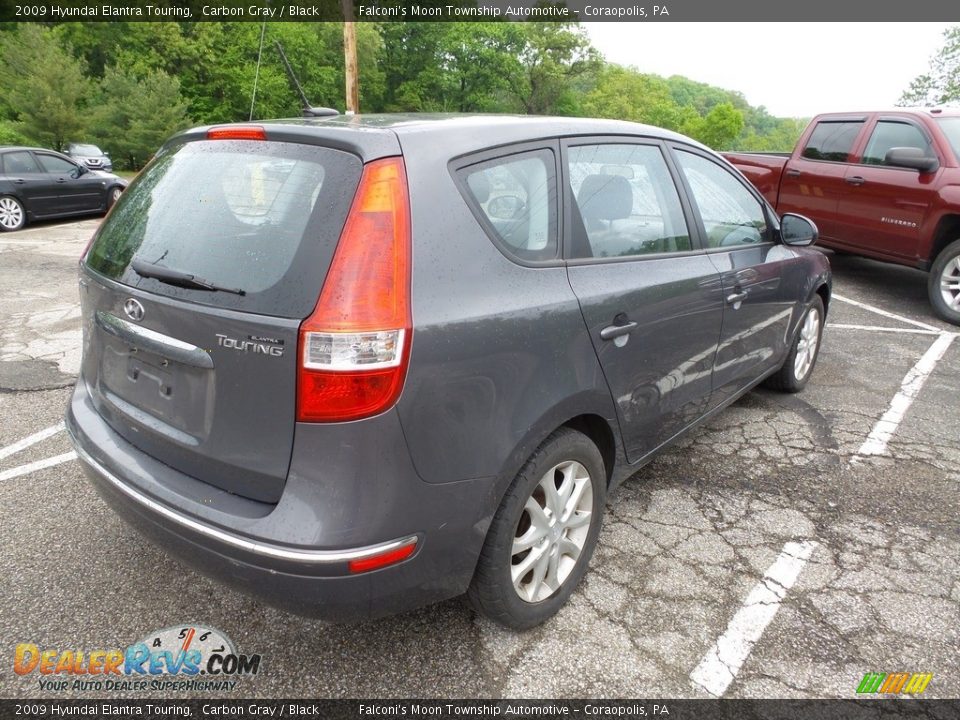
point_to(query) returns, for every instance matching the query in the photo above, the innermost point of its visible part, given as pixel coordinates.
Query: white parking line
(38, 465)
(885, 313)
(30, 440)
(878, 328)
(913, 381)
(723, 661)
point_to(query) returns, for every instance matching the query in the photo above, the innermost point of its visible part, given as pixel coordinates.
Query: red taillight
(354, 347)
(390, 557)
(237, 132)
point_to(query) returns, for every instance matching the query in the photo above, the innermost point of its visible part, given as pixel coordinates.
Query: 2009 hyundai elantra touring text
(355, 365)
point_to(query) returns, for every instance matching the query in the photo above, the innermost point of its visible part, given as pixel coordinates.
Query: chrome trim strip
(250, 546)
(153, 341)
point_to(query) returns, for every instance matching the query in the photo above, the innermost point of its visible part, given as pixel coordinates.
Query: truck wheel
(798, 367)
(543, 534)
(943, 285)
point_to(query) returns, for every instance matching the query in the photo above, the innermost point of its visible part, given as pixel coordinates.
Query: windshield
(263, 217)
(951, 128)
(85, 150)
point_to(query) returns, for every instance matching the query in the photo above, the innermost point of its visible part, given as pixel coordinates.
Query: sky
(792, 69)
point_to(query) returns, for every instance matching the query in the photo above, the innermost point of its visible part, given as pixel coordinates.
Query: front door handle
(855, 180)
(614, 331)
(792, 173)
(61, 180)
(18, 181)
(737, 297)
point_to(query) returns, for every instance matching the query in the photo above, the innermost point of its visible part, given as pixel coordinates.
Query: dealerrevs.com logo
(187, 657)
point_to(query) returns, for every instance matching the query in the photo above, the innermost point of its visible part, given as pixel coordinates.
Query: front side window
(517, 200)
(55, 165)
(627, 202)
(731, 215)
(832, 140)
(890, 134)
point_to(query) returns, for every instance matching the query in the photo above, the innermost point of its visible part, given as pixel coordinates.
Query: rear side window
(832, 140)
(262, 217)
(515, 198)
(627, 202)
(889, 134)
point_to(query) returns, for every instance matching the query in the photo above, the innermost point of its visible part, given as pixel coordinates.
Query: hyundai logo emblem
(133, 309)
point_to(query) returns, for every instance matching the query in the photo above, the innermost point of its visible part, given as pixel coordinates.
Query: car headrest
(605, 197)
(479, 185)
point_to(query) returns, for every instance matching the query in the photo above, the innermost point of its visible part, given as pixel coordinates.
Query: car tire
(943, 284)
(13, 216)
(559, 528)
(113, 194)
(798, 367)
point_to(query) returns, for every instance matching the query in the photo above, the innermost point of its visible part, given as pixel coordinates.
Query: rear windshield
(951, 128)
(261, 217)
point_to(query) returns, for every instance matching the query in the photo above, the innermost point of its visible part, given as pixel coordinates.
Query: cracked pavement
(684, 541)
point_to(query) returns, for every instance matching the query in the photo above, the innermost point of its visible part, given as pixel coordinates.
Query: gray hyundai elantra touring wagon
(355, 365)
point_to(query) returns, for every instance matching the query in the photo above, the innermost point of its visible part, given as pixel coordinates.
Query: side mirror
(505, 207)
(797, 230)
(912, 158)
(79, 171)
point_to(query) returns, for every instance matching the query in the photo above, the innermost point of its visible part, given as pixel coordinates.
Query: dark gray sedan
(38, 184)
(355, 365)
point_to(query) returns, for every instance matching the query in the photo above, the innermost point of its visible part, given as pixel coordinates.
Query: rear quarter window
(263, 217)
(515, 200)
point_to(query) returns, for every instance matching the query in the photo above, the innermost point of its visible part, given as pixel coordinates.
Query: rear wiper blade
(178, 278)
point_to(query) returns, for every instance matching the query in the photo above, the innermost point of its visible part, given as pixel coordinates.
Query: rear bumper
(275, 552)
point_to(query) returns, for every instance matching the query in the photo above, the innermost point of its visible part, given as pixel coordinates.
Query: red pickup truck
(881, 184)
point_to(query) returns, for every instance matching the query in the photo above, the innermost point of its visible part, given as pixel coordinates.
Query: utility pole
(350, 57)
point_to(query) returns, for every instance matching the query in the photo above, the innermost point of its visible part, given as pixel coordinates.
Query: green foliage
(941, 84)
(45, 86)
(128, 86)
(718, 128)
(135, 113)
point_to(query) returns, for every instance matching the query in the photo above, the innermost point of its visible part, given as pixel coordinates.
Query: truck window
(832, 140)
(890, 134)
(951, 128)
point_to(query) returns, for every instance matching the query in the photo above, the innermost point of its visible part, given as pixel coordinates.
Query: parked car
(885, 185)
(38, 184)
(90, 155)
(361, 364)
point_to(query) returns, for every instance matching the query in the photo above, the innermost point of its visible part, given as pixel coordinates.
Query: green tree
(136, 113)
(941, 84)
(555, 57)
(718, 129)
(627, 94)
(44, 86)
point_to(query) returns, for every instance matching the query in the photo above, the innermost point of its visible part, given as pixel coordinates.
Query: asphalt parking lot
(785, 549)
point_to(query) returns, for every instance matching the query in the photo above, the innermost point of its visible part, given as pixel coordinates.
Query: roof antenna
(308, 109)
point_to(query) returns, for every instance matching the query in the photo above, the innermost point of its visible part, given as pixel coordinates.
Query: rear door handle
(792, 173)
(614, 331)
(737, 297)
(855, 180)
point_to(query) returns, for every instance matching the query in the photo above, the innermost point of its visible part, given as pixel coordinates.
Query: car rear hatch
(193, 292)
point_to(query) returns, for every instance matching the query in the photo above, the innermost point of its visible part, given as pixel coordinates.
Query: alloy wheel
(807, 344)
(552, 531)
